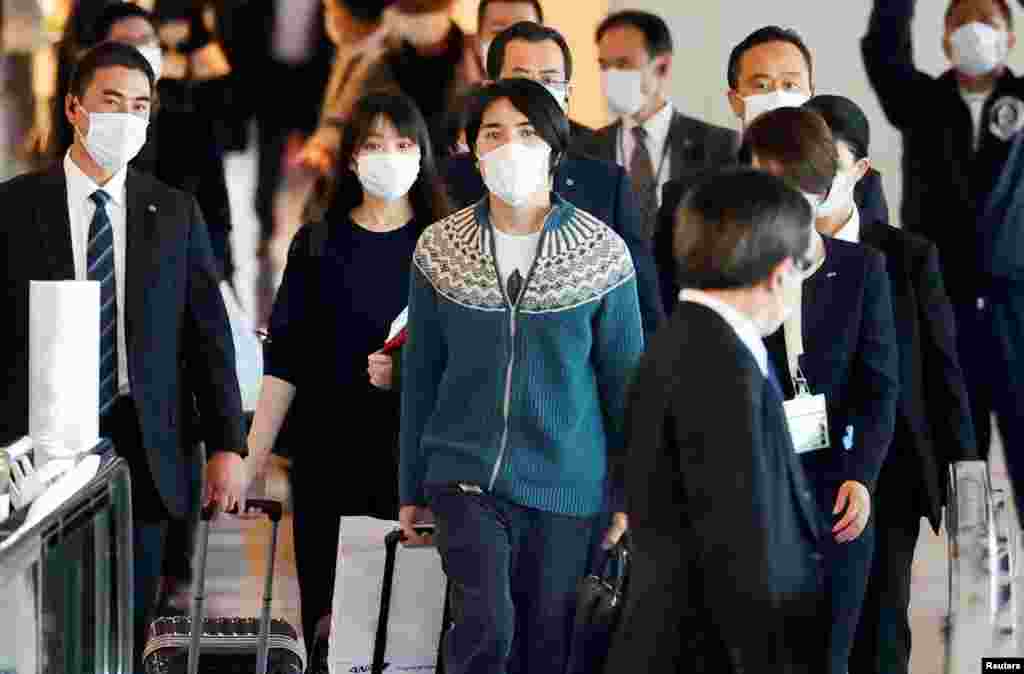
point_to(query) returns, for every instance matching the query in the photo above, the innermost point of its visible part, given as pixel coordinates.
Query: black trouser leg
(883, 639)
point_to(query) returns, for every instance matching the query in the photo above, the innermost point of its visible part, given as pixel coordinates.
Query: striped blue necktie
(100, 256)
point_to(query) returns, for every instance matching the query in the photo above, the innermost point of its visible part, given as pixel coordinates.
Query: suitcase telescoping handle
(273, 510)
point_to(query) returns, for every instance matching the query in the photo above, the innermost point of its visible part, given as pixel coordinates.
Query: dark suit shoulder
(698, 342)
(592, 166)
(140, 180)
(893, 241)
(714, 130)
(23, 181)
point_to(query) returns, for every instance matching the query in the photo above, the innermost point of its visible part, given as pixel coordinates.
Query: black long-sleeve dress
(334, 308)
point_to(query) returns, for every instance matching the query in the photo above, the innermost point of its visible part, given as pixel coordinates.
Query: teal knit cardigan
(524, 401)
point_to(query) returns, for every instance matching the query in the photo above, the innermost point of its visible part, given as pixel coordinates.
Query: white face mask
(515, 172)
(560, 95)
(841, 195)
(388, 175)
(114, 138)
(760, 103)
(155, 57)
(624, 90)
(978, 48)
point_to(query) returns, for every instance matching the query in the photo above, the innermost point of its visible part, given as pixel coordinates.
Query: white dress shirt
(657, 128)
(741, 325)
(80, 211)
(851, 230)
(976, 104)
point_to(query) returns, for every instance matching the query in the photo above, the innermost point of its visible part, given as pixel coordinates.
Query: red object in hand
(396, 342)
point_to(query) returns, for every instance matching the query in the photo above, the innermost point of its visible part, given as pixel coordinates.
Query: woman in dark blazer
(933, 422)
(850, 356)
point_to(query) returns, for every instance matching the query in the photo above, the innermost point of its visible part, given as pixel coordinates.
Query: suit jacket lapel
(680, 143)
(139, 225)
(53, 224)
(610, 140)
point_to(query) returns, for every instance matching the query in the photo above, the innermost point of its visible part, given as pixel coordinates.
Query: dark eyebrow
(117, 94)
(766, 76)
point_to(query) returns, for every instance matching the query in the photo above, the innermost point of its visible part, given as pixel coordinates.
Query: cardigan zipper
(512, 308)
(508, 392)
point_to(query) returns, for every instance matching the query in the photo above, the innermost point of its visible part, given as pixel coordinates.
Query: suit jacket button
(806, 494)
(818, 557)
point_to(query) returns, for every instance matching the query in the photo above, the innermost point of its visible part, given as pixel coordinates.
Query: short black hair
(544, 113)
(527, 31)
(764, 36)
(734, 227)
(484, 4)
(1003, 6)
(119, 11)
(846, 121)
(106, 55)
(657, 36)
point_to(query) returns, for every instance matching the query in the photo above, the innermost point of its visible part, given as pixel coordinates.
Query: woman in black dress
(346, 282)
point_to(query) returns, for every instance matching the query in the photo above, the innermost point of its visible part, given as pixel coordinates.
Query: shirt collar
(657, 127)
(851, 230)
(741, 325)
(82, 186)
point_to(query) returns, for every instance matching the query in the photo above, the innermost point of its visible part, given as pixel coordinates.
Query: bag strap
(380, 642)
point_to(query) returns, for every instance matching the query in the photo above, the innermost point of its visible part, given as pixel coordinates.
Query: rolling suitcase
(981, 540)
(225, 645)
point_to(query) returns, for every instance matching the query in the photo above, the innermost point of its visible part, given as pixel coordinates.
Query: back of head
(794, 144)
(762, 36)
(115, 13)
(734, 228)
(526, 31)
(657, 36)
(845, 120)
(106, 55)
(481, 11)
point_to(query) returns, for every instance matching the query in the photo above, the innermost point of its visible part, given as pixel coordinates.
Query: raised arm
(888, 53)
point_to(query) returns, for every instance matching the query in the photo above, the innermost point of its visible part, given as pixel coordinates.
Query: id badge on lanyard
(806, 414)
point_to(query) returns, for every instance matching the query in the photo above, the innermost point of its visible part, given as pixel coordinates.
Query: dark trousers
(882, 644)
(513, 574)
(847, 567)
(149, 518)
(990, 336)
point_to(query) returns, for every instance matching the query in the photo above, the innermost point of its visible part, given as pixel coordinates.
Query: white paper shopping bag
(416, 609)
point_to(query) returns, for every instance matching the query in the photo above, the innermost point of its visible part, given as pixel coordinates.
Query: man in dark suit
(601, 188)
(166, 345)
(771, 68)
(726, 574)
(933, 423)
(652, 139)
